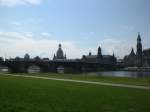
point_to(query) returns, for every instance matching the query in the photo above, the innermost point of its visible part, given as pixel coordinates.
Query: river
(134, 74)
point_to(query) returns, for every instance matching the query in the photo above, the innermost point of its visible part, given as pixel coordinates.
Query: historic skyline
(38, 26)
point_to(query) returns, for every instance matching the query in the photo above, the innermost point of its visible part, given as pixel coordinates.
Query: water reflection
(124, 74)
(4, 69)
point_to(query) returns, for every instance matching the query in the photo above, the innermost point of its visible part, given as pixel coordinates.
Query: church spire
(139, 51)
(113, 54)
(132, 52)
(139, 37)
(99, 54)
(90, 53)
(139, 45)
(99, 51)
(54, 57)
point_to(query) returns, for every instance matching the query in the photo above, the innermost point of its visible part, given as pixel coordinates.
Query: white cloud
(45, 34)
(119, 47)
(17, 44)
(19, 2)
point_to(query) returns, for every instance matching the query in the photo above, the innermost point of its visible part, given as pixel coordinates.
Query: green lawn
(18, 94)
(93, 77)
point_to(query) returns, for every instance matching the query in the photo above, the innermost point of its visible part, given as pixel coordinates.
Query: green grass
(93, 77)
(18, 94)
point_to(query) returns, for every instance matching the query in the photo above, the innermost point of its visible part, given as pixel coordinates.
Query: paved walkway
(81, 81)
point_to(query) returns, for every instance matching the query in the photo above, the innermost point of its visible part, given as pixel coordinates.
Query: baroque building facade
(139, 59)
(100, 58)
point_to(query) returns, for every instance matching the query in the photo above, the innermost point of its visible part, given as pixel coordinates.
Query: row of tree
(26, 58)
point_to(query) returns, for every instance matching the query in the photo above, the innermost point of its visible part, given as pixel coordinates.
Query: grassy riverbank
(18, 94)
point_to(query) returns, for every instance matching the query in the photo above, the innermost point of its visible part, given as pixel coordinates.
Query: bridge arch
(4, 69)
(34, 69)
(60, 69)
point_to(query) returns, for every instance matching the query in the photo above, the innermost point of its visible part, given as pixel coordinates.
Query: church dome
(60, 54)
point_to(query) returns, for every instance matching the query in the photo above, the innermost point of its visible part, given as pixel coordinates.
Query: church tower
(99, 51)
(99, 54)
(139, 52)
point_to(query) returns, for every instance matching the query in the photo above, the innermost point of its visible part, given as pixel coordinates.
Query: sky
(81, 26)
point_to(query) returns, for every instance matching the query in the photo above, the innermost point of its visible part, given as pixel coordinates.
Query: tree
(26, 57)
(37, 58)
(1, 59)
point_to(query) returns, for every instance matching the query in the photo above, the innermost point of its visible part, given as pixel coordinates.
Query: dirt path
(81, 81)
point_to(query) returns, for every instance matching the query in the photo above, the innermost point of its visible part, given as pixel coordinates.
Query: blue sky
(38, 26)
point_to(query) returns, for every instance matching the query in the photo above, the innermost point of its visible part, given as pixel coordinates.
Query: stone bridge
(53, 66)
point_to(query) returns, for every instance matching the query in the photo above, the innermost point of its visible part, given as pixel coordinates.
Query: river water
(134, 74)
(124, 74)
